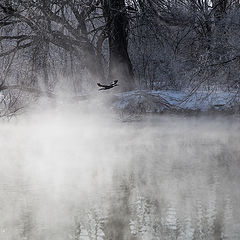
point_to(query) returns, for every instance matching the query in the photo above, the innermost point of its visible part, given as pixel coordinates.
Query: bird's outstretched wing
(100, 85)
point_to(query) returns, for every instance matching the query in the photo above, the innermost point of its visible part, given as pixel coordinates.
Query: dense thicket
(186, 43)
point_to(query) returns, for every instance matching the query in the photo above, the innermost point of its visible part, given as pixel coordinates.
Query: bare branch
(15, 49)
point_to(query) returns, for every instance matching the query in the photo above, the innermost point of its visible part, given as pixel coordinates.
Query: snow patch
(162, 100)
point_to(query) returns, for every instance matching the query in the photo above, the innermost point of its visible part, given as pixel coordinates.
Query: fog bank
(70, 172)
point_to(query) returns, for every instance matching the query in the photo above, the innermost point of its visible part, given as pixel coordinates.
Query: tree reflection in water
(173, 179)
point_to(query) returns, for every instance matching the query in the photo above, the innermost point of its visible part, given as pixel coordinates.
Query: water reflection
(172, 178)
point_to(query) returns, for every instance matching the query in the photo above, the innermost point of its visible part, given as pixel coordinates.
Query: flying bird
(106, 87)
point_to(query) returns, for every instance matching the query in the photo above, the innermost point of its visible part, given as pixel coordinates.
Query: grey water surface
(90, 177)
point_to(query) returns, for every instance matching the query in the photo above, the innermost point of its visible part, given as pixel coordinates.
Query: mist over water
(69, 173)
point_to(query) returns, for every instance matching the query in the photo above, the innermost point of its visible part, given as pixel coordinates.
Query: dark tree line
(77, 27)
(186, 43)
(148, 43)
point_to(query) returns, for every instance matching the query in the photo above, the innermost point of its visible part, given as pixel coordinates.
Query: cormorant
(106, 87)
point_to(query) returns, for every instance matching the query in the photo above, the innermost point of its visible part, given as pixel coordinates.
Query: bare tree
(77, 26)
(116, 17)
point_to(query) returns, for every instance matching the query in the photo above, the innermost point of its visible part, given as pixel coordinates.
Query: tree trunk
(40, 65)
(120, 66)
(91, 57)
(118, 225)
(220, 36)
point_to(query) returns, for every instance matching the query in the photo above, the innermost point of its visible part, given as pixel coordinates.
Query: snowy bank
(145, 101)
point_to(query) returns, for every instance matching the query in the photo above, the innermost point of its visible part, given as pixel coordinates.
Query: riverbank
(162, 101)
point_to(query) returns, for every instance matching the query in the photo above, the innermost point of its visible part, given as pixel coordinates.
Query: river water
(75, 176)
